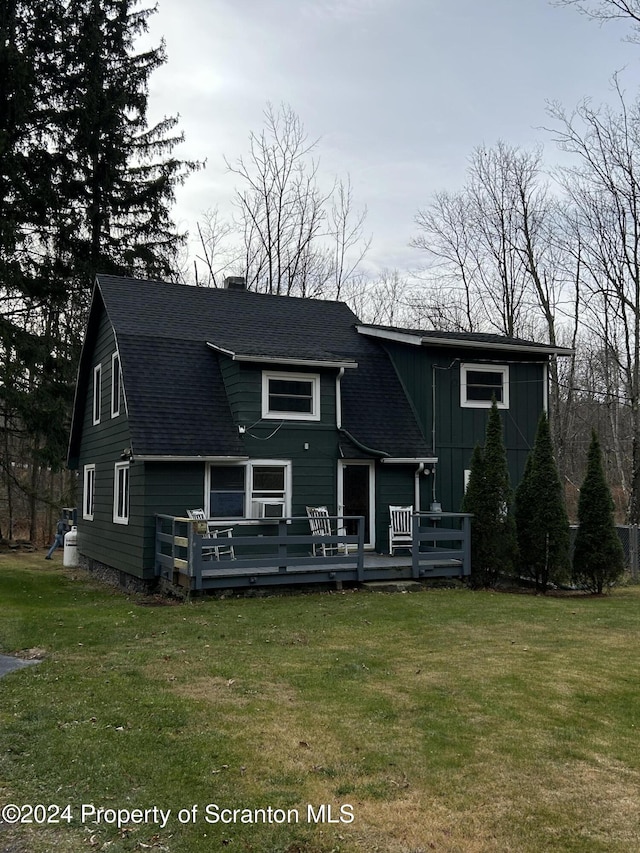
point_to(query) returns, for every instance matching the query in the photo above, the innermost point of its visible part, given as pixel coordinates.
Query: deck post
(157, 568)
(360, 564)
(415, 546)
(466, 545)
(194, 558)
(282, 546)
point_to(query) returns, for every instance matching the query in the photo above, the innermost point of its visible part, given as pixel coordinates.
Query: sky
(397, 92)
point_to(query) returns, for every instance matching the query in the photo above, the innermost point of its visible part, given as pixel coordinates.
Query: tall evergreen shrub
(598, 558)
(489, 498)
(541, 516)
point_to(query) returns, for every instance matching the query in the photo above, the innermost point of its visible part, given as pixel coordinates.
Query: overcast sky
(399, 91)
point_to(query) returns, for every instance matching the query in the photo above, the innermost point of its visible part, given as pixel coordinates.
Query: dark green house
(254, 406)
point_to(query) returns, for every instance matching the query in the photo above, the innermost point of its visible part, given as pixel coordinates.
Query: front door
(356, 497)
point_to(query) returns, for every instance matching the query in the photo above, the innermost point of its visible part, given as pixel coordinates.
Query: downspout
(416, 492)
(339, 399)
(433, 430)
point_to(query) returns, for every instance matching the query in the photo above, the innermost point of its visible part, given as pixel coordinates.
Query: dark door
(356, 497)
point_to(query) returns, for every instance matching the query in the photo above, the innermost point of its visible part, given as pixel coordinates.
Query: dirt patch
(31, 654)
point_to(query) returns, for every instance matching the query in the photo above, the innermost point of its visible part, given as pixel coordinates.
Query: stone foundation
(115, 577)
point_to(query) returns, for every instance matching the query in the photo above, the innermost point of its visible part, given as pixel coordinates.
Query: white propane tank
(70, 556)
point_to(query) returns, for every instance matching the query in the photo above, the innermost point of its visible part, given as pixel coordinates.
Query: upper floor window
(97, 393)
(480, 383)
(115, 385)
(291, 396)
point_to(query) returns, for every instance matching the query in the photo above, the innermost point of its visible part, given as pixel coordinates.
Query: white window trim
(117, 517)
(115, 398)
(485, 368)
(248, 484)
(342, 464)
(89, 490)
(314, 378)
(96, 400)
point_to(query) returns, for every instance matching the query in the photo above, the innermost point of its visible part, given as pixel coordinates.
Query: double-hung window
(121, 493)
(268, 490)
(115, 385)
(291, 396)
(97, 393)
(481, 383)
(88, 492)
(227, 489)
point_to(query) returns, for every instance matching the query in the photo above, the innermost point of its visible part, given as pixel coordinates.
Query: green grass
(449, 720)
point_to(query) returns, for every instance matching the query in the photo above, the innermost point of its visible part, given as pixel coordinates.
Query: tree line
(86, 186)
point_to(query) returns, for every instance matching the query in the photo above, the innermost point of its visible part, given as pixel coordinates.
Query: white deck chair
(400, 527)
(211, 531)
(320, 525)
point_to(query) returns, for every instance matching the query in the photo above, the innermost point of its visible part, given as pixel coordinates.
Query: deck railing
(283, 551)
(262, 548)
(440, 539)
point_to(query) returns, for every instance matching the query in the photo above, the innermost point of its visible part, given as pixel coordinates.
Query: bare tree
(604, 188)
(289, 236)
(609, 10)
(216, 254)
(480, 241)
(281, 208)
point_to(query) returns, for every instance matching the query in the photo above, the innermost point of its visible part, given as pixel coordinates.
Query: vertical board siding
(459, 429)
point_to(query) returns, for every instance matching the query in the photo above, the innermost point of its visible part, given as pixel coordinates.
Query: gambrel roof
(170, 338)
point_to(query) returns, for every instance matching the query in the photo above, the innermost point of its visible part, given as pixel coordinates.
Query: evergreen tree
(118, 174)
(86, 186)
(541, 517)
(598, 558)
(489, 498)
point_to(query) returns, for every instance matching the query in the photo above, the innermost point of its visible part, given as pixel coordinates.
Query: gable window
(121, 493)
(259, 489)
(115, 385)
(88, 492)
(97, 393)
(291, 396)
(479, 383)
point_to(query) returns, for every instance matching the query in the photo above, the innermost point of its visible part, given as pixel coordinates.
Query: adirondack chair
(400, 527)
(320, 525)
(211, 531)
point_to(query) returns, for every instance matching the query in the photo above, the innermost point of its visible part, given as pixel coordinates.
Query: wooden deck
(277, 553)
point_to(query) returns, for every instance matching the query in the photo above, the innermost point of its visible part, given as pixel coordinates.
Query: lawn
(444, 720)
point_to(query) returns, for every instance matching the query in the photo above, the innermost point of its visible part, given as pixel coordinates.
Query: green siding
(313, 469)
(458, 429)
(310, 446)
(116, 545)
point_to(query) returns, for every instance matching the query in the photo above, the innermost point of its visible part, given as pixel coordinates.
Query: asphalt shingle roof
(479, 338)
(176, 398)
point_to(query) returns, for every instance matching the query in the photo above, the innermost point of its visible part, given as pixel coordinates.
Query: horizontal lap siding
(116, 545)
(171, 488)
(314, 469)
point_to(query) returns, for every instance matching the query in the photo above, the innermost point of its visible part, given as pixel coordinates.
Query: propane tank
(70, 556)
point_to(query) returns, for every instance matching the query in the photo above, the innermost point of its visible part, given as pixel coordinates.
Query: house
(255, 406)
